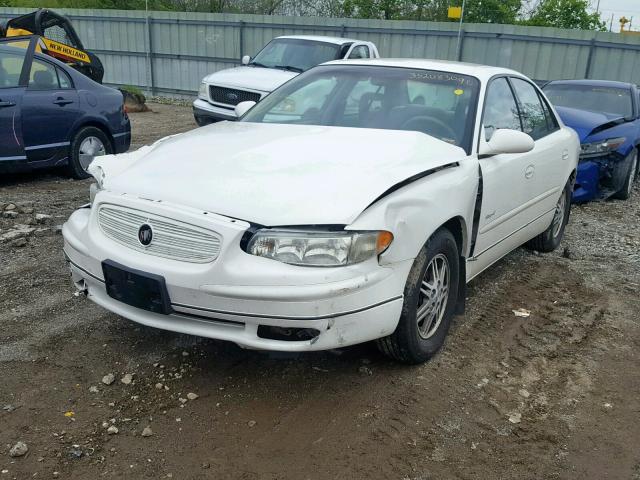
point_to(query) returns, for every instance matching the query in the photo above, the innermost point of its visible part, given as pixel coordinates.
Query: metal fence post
(592, 48)
(460, 45)
(343, 31)
(151, 80)
(241, 22)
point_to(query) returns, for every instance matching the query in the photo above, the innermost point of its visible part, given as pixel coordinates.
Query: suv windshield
(295, 54)
(613, 100)
(440, 104)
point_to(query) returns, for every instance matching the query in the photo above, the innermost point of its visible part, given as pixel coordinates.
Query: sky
(619, 8)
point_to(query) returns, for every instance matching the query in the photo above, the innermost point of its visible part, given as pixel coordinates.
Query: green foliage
(548, 13)
(566, 14)
(132, 90)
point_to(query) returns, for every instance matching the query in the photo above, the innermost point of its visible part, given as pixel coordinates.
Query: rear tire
(430, 297)
(625, 192)
(550, 239)
(87, 144)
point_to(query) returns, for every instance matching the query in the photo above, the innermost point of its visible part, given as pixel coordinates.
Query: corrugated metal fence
(170, 52)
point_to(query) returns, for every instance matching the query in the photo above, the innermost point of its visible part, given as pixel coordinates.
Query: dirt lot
(554, 395)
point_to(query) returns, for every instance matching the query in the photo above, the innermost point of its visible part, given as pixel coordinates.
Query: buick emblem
(145, 234)
(232, 96)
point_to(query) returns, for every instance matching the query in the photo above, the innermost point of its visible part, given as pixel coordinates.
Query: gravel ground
(554, 396)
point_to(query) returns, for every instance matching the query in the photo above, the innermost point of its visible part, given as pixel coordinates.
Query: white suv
(279, 61)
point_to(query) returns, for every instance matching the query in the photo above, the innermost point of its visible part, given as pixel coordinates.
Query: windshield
(612, 100)
(440, 104)
(295, 54)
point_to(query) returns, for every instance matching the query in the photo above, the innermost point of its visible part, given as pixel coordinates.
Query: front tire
(88, 143)
(625, 192)
(550, 239)
(430, 297)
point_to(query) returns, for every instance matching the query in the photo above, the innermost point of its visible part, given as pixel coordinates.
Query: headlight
(600, 148)
(202, 92)
(318, 248)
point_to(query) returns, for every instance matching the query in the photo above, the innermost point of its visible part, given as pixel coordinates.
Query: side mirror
(506, 141)
(246, 59)
(243, 107)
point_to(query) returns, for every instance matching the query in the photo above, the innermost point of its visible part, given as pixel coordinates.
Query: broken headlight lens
(596, 149)
(202, 91)
(318, 248)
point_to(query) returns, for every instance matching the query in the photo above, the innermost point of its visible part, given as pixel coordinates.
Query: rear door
(12, 72)
(49, 112)
(548, 161)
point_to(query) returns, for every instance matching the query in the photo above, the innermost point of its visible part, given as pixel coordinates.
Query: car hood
(252, 78)
(587, 123)
(275, 174)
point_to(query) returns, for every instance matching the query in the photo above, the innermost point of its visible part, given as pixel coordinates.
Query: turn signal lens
(384, 240)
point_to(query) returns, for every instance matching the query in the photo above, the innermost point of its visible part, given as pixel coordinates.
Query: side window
(361, 51)
(552, 121)
(500, 109)
(10, 69)
(63, 79)
(534, 119)
(43, 76)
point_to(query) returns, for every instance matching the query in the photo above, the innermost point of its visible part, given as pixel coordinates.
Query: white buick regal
(352, 204)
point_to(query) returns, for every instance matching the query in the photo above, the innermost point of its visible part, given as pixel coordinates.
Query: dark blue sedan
(52, 115)
(606, 116)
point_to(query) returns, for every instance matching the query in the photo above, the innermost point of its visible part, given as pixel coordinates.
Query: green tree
(492, 11)
(573, 14)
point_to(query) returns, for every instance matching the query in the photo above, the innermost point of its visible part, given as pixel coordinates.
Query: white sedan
(352, 204)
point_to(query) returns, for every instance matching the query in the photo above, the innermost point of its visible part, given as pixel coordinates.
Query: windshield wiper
(258, 64)
(290, 68)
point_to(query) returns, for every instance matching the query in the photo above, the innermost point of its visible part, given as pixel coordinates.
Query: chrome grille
(171, 238)
(231, 96)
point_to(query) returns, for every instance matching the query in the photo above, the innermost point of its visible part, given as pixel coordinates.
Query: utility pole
(611, 23)
(460, 30)
(598, 7)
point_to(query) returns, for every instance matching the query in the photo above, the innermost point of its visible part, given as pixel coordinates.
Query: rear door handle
(7, 104)
(62, 101)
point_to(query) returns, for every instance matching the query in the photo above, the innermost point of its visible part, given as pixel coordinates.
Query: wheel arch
(458, 228)
(93, 122)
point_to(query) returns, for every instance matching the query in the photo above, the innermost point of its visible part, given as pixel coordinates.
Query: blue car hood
(585, 122)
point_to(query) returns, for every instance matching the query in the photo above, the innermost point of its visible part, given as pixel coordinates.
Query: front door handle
(529, 171)
(7, 104)
(61, 101)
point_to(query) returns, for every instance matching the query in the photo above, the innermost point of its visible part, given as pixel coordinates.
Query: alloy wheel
(558, 217)
(90, 148)
(434, 296)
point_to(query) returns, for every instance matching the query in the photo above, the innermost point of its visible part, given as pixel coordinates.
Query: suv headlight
(202, 91)
(600, 148)
(318, 248)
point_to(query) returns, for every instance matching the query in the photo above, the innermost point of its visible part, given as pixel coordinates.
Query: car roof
(592, 83)
(483, 72)
(320, 38)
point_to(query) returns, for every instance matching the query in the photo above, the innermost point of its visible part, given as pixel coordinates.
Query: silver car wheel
(90, 148)
(434, 296)
(558, 217)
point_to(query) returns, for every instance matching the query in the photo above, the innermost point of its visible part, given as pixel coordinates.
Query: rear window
(612, 100)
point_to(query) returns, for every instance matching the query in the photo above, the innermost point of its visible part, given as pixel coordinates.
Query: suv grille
(171, 238)
(231, 96)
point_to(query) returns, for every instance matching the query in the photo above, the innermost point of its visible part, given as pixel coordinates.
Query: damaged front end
(602, 170)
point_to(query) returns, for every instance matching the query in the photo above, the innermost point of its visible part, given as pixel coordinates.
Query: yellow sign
(454, 12)
(458, 91)
(58, 49)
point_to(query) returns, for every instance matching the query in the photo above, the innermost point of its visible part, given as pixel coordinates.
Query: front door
(11, 93)
(49, 112)
(506, 183)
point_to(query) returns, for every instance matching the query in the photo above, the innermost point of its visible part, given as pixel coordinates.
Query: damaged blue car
(606, 116)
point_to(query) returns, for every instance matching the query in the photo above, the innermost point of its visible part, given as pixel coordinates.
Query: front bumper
(600, 177)
(205, 113)
(239, 296)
